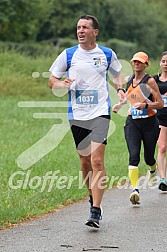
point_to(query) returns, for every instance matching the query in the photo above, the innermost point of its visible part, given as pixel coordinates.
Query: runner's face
(138, 66)
(86, 33)
(163, 63)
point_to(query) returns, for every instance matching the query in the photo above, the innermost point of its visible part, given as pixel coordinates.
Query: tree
(142, 22)
(19, 19)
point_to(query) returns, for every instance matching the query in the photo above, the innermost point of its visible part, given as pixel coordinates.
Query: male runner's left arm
(115, 70)
(117, 79)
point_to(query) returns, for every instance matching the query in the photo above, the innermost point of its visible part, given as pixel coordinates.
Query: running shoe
(134, 197)
(91, 205)
(95, 216)
(163, 185)
(152, 181)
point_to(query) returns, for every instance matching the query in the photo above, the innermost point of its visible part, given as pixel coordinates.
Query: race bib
(164, 98)
(136, 113)
(86, 97)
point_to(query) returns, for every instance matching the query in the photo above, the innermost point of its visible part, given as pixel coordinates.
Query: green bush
(123, 49)
(30, 49)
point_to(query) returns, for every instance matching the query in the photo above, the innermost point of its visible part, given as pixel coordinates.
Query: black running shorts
(95, 130)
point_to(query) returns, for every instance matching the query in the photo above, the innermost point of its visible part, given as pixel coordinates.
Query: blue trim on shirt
(108, 54)
(70, 112)
(69, 52)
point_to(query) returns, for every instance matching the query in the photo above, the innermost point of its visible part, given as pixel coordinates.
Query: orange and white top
(140, 93)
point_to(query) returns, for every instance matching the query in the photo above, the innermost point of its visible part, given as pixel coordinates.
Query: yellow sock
(134, 175)
(152, 168)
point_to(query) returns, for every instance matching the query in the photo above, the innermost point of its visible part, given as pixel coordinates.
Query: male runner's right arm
(56, 83)
(58, 69)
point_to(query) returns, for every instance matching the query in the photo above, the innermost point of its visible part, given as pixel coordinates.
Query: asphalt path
(124, 227)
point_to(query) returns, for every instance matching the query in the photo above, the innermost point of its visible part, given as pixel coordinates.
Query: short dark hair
(95, 21)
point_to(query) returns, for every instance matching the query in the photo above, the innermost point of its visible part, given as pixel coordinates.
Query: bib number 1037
(86, 97)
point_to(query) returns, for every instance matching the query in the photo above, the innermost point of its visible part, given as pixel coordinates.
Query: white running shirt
(88, 95)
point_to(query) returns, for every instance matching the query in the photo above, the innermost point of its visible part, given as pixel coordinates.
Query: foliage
(123, 48)
(19, 20)
(30, 49)
(142, 22)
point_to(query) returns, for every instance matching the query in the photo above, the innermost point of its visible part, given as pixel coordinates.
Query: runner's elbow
(50, 83)
(162, 104)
